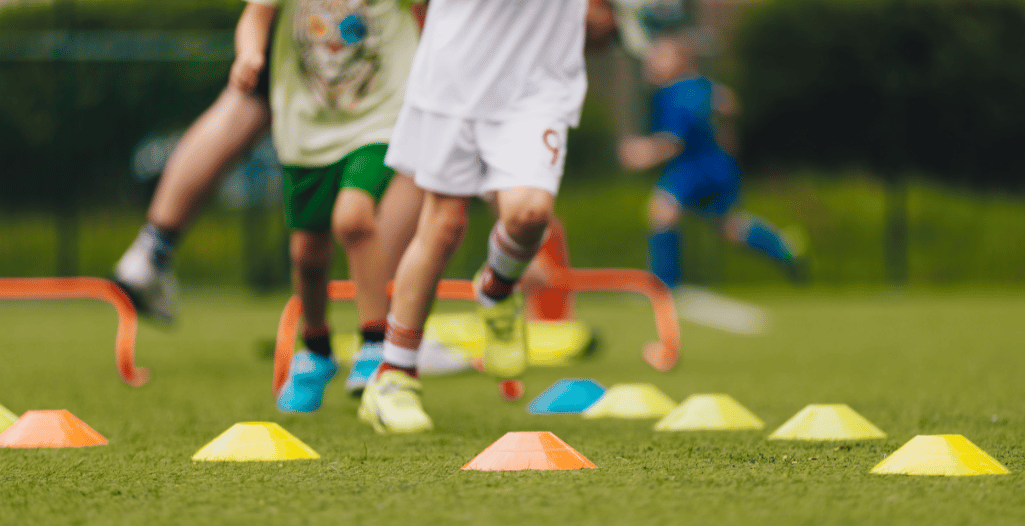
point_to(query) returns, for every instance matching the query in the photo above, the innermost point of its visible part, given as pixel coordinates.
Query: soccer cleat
(154, 292)
(367, 358)
(391, 403)
(505, 335)
(308, 376)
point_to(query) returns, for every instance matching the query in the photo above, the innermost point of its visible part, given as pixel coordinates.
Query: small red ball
(512, 390)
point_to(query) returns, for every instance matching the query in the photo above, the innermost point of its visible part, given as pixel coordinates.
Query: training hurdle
(88, 288)
(663, 355)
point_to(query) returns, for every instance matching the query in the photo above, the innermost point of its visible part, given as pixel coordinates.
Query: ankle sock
(318, 340)
(164, 243)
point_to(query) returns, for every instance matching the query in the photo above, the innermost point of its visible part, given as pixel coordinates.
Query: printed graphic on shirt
(339, 48)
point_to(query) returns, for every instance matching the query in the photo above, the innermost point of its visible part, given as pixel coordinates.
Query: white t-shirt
(496, 59)
(338, 75)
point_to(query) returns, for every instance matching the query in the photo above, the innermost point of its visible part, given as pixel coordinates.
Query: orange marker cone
(535, 450)
(50, 429)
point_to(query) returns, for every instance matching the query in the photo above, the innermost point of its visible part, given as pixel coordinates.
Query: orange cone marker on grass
(50, 429)
(534, 450)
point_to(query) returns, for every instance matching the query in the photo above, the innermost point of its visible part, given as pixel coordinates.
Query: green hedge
(929, 85)
(68, 128)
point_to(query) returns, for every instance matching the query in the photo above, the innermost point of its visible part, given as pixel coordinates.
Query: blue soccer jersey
(702, 177)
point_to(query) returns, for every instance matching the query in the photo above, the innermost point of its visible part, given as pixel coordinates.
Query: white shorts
(457, 156)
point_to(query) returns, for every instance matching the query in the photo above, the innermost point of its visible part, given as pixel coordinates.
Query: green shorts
(310, 193)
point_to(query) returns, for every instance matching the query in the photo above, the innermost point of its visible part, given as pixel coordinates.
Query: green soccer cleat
(391, 403)
(505, 335)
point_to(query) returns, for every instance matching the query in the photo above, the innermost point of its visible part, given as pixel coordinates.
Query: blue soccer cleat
(369, 356)
(308, 376)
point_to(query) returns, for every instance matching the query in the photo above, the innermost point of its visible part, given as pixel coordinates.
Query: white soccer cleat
(153, 291)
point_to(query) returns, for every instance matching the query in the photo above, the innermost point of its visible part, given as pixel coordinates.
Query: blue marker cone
(567, 396)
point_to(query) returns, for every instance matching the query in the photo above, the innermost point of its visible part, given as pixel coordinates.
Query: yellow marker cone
(631, 401)
(549, 343)
(949, 455)
(827, 422)
(248, 441)
(714, 412)
(6, 418)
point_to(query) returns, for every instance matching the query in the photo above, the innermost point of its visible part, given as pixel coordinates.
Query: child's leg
(523, 216)
(311, 259)
(312, 368)
(440, 231)
(355, 227)
(664, 238)
(198, 164)
(755, 232)
(397, 216)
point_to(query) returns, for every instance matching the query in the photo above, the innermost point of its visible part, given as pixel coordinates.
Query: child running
(494, 87)
(339, 69)
(699, 175)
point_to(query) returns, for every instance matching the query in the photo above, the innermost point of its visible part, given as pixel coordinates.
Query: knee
(353, 229)
(528, 221)
(663, 213)
(735, 227)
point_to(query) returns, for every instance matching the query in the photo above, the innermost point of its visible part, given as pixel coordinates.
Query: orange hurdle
(88, 288)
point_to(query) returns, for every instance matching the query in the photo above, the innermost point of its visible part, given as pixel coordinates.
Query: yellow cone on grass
(712, 412)
(249, 441)
(827, 422)
(6, 418)
(949, 455)
(631, 401)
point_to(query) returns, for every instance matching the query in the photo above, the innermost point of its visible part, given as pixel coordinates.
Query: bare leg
(397, 218)
(311, 259)
(355, 228)
(440, 231)
(220, 136)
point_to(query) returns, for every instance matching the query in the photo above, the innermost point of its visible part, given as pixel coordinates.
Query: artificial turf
(923, 362)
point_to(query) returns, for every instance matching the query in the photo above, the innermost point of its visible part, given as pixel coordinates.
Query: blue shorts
(707, 185)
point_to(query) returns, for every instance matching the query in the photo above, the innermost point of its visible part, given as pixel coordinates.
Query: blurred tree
(896, 86)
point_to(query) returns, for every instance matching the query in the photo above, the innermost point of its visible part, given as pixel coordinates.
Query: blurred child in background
(699, 176)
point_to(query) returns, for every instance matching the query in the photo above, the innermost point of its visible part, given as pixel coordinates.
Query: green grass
(920, 362)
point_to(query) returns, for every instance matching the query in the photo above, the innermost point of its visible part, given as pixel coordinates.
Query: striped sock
(373, 331)
(507, 261)
(400, 348)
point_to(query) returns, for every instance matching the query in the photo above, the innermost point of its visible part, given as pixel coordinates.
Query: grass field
(920, 362)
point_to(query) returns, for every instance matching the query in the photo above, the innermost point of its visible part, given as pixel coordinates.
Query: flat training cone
(6, 418)
(711, 412)
(827, 422)
(249, 441)
(50, 429)
(567, 396)
(949, 455)
(536, 450)
(631, 401)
